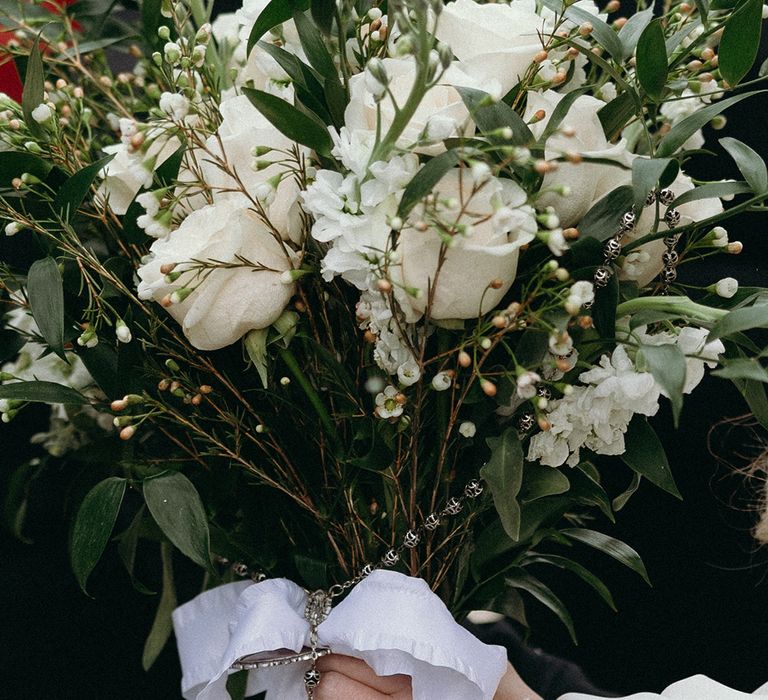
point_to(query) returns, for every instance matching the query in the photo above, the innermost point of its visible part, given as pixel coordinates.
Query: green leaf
(34, 88)
(604, 309)
(602, 220)
(741, 40)
(559, 113)
(743, 368)
(425, 179)
(739, 320)
(503, 472)
(490, 116)
(93, 526)
(651, 57)
(162, 626)
(712, 189)
(16, 497)
(323, 12)
(177, 509)
(646, 173)
(645, 455)
(622, 499)
(518, 578)
(276, 12)
(630, 33)
(541, 481)
(291, 122)
(313, 572)
(682, 131)
(255, 344)
(72, 193)
(127, 542)
(755, 395)
(667, 365)
(14, 163)
(751, 165)
(581, 571)
(615, 115)
(617, 549)
(42, 392)
(605, 36)
(46, 301)
(314, 46)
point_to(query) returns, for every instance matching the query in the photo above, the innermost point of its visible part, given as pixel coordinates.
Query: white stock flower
(227, 303)
(459, 288)
(585, 182)
(597, 414)
(175, 105)
(42, 113)
(387, 405)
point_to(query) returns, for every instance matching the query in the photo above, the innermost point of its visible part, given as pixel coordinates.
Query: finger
(512, 687)
(336, 686)
(360, 671)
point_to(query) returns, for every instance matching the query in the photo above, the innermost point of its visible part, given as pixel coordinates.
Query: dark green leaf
(667, 365)
(741, 41)
(560, 112)
(652, 60)
(10, 344)
(162, 626)
(602, 220)
(34, 87)
(72, 193)
(276, 12)
(314, 46)
(621, 500)
(14, 163)
(605, 36)
(127, 543)
(740, 320)
(46, 301)
(682, 131)
(503, 472)
(425, 179)
(646, 173)
(323, 12)
(743, 368)
(604, 308)
(313, 572)
(518, 578)
(645, 455)
(615, 115)
(751, 165)
(16, 497)
(293, 66)
(541, 481)
(712, 189)
(294, 124)
(95, 45)
(490, 116)
(42, 392)
(582, 572)
(630, 33)
(755, 396)
(93, 526)
(176, 507)
(617, 549)
(167, 173)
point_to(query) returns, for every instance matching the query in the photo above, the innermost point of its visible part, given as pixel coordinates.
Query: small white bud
(441, 381)
(726, 287)
(12, 228)
(467, 429)
(122, 331)
(42, 113)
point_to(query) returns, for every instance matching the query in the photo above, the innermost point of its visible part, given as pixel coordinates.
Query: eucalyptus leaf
(177, 509)
(617, 549)
(615, 115)
(740, 41)
(425, 179)
(291, 122)
(14, 163)
(738, 320)
(646, 173)
(34, 88)
(503, 472)
(541, 481)
(93, 526)
(276, 12)
(630, 33)
(46, 301)
(559, 113)
(651, 59)
(749, 162)
(645, 455)
(314, 46)
(712, 189)
(755, 395)
(518, 578)
(667, 365)
(162, 626)
(72, 193)
(42, 392)
(743, 368)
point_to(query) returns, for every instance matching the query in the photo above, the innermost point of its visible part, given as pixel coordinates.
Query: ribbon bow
(391, 621)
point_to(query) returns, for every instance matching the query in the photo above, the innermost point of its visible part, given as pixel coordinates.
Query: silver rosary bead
(670, 258)
(312, 678)
(240, 569)
(666, 197)
(612, 249)
(453, 506)
(366, 570)
(650, 199)
(603, 275)
(411, 539)
(526, 422)
(432, 521)
(669, 275)
(391, 557)
(544, 392)
(627, 222)
(473, 489)
(671, 241)
(672, 217)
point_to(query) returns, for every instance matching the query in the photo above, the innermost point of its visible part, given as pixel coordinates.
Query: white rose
(242, 128)
(227, 303)
(587, 182)
(129, 172)
(494, 41)
(440, 113)
(645, 262)
(460, 290)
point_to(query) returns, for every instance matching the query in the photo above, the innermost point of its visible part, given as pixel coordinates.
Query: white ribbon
(391, 621)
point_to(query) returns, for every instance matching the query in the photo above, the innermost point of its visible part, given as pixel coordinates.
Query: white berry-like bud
(726, 287)
(467, 429)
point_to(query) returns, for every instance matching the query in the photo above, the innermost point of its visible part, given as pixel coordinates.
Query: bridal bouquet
(323, 289)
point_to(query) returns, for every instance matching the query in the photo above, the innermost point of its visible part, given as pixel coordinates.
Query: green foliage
(42, 392)
(46, 301)
(652, 60)
(492, 116)
(276, 12)
(741, 40)
(749, 162)
(645, 455)
(72, 193)
(630, 33)
(519, 578)
(667, 365)
(617, 549)
(426, 179)
(34, 87)
(162, 626)
(503, 472)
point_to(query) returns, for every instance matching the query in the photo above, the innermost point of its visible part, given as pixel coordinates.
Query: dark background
(707, 611)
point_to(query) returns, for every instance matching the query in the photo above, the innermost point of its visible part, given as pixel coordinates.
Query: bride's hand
(347, 678)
